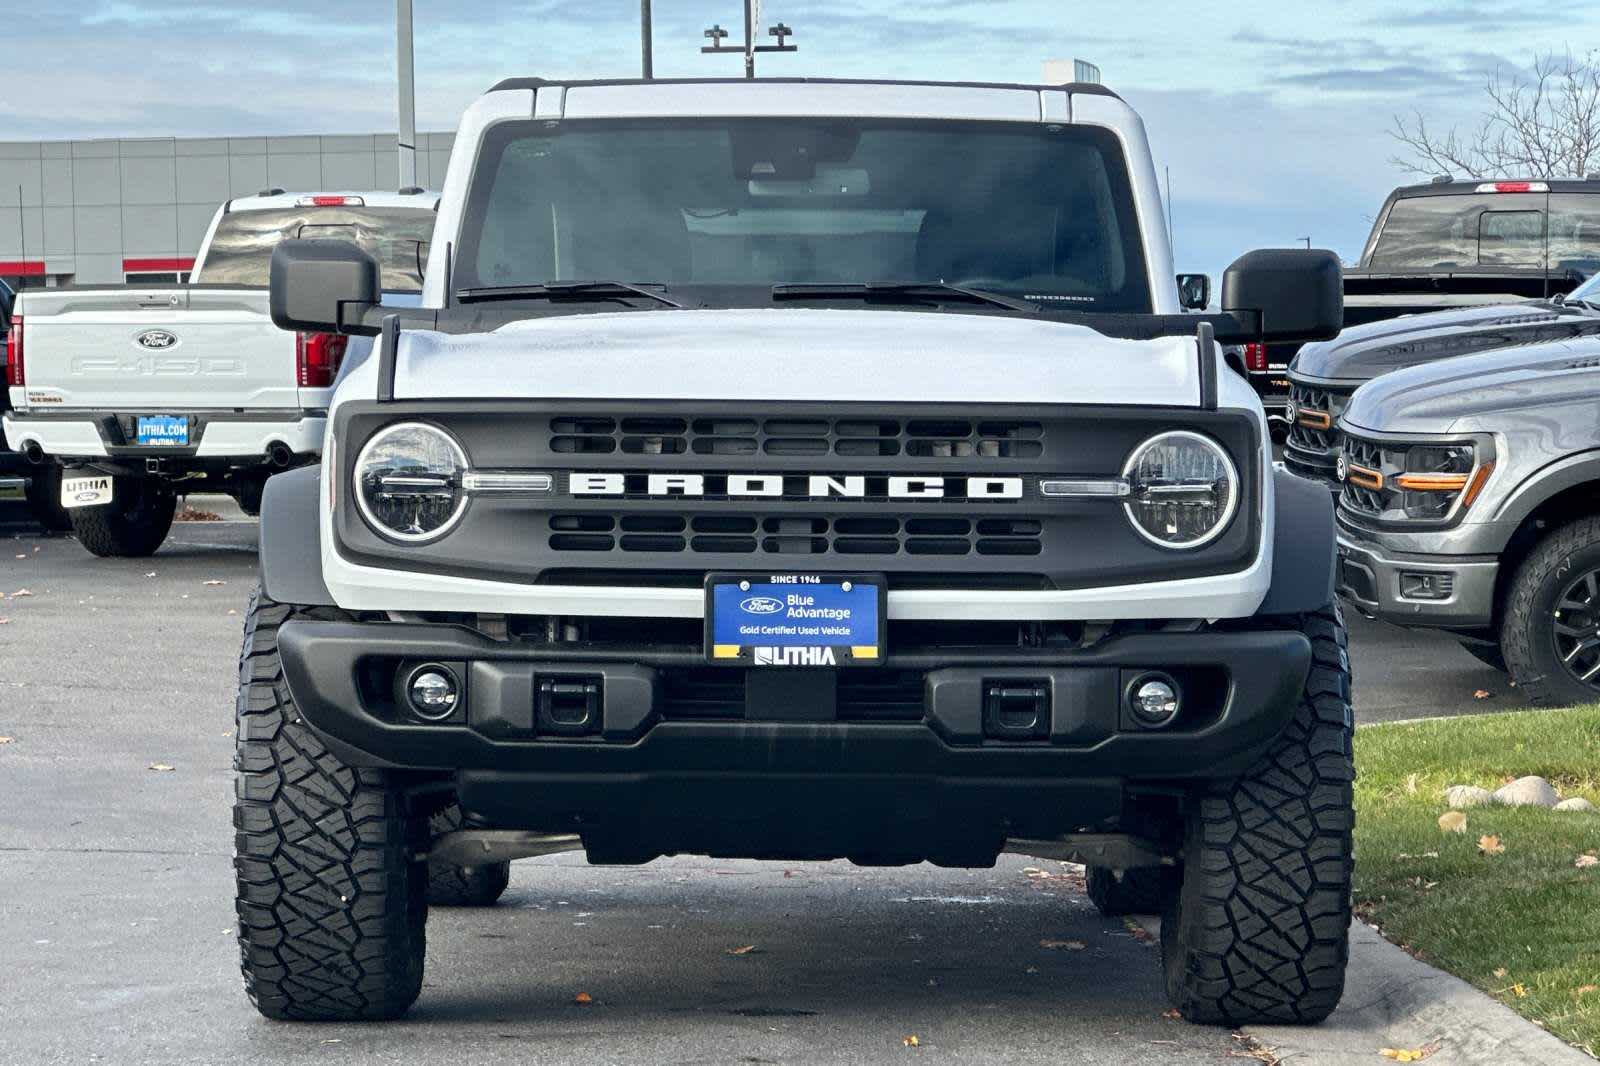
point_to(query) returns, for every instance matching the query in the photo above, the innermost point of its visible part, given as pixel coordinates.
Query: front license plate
(796, 620)
(85, 492)
(162, 431)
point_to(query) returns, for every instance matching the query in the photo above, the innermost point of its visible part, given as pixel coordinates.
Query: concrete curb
(1392, 1000)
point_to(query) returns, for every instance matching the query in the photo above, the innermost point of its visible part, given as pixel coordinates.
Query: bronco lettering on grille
(810, 486)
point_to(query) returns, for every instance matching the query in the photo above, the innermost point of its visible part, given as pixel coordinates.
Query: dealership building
(135, 210)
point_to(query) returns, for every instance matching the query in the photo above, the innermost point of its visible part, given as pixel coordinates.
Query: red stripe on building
(150, 266)
(24, 268)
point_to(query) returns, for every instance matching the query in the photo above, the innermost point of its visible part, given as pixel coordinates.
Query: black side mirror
(1194, 291)
(1295, 294)
(323, 287)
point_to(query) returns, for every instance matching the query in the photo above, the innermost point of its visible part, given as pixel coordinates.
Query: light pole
(752, 16)
(407, 83)
(646, 47)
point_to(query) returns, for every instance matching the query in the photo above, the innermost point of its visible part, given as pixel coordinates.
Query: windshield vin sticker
(796, 620)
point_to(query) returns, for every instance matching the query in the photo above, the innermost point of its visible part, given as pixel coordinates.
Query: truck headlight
(408, 482)
(1436, 476)
(1184, 489)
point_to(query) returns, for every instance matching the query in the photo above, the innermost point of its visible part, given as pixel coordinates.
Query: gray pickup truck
(1471, 503)
(1325, 374)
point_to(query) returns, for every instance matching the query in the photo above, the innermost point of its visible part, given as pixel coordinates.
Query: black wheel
(133, 525)
(1551, 630)
(1489, 655)
(1260, 929)
(1138, 892)
(44, 498)
(331, 899)
(462, 886)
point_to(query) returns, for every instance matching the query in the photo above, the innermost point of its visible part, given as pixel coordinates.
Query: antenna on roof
(752, 19)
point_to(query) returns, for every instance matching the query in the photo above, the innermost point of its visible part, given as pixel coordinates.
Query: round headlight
(1185, 489)
(408, 482)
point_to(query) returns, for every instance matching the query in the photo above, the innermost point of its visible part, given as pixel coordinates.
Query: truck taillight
(317, 358)
(1255, 358)
(16, 369)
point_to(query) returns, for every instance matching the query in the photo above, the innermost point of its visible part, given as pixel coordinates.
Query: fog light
(433, 693)
(1426, 586)
(1155, 699)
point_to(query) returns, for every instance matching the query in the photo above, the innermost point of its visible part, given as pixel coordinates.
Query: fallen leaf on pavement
(1173, 1015)
(5, 621)
(161, 767)
(911, 1041)
(1482, 694)
(8, 740)
(21, 593)
(1490, 845)
(1408, 1054)
(1583, 862)
(747, 949)
(1069, 945)
(583, 999)
(1453, 822)
(216, 583)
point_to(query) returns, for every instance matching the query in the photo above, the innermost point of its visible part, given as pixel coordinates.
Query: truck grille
(1357, 498)
(930, 535)
(1311, 451)
(937, 438)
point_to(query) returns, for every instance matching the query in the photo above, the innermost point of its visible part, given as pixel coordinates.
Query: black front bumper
(808, 748)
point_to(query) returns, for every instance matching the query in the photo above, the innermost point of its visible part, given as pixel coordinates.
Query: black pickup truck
(1467, 243)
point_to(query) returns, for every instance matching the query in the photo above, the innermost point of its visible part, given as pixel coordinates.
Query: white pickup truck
(144, 393)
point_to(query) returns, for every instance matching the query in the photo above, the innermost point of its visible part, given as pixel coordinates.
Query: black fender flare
(291, 542)
(1304, 547)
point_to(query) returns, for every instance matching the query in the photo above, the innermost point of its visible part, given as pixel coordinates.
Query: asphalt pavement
(116, 919)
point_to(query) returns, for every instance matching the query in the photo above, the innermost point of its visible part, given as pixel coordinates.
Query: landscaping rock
(1576, 803)
(1528, 792)
(1460, 797)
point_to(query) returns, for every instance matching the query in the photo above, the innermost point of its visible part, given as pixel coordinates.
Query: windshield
(1043, 213)
(1492, 229)
(241, 249)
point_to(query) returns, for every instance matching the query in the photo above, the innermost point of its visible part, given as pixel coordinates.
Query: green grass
(1528, 912)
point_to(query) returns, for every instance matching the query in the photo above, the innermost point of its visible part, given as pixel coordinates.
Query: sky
(1272, 116)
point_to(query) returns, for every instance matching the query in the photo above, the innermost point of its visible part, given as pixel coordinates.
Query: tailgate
(158, 349)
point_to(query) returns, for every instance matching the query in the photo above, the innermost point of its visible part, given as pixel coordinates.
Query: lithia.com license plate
(796, 620)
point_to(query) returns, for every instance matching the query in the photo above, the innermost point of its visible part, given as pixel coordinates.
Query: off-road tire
(450, 885)
(1139, 891)
(44, 498)
(1260, 929)
(1527, 629)
(133, 525)
(330, 893)
(1489, 655)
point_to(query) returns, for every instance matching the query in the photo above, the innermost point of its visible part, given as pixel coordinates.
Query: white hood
(795, 354)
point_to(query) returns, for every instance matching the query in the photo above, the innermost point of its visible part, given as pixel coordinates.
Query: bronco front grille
(938, 438)
(920, 535)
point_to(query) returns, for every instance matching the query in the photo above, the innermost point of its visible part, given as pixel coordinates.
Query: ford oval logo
(157, 340)
(761, 605)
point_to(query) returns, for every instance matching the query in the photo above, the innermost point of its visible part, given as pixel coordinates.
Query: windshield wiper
(559, 290)
(826, 290)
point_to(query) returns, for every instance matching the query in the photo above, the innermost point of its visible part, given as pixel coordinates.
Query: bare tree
(1541, 124)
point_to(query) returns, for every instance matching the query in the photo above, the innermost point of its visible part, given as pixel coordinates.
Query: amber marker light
(1432, 482)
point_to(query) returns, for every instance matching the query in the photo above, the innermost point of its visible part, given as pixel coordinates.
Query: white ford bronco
(797, 470)
(127, 396)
